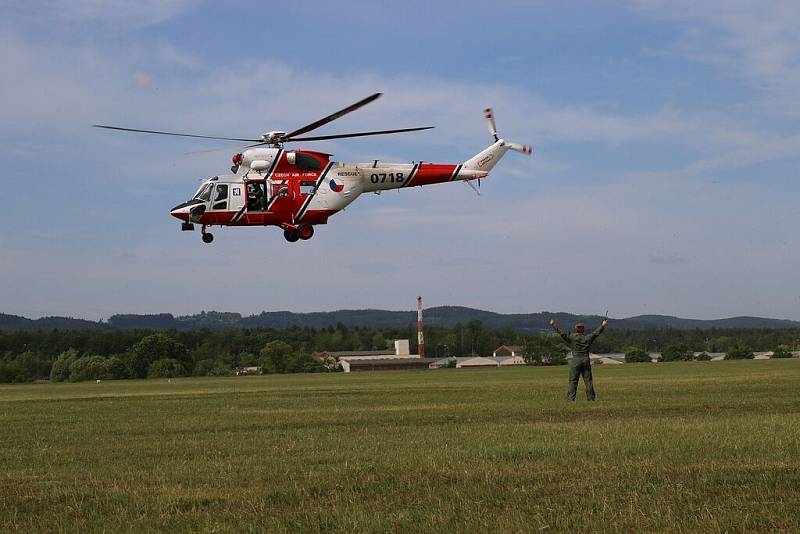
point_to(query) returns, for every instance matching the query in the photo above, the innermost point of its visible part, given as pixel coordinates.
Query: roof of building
(345, 353)
(515, 348)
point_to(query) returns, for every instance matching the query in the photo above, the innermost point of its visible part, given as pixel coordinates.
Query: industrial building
(362, 360)
(468, 362)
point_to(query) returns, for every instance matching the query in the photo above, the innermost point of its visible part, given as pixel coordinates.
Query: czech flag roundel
(337, 188)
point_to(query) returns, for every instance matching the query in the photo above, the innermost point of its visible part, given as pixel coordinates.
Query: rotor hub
(275, 137)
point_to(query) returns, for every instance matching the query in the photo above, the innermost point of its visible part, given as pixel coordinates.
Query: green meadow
(679, 447)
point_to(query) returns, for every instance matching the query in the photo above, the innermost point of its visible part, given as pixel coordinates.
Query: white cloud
(113, 15)
(783, 148)
(757, 41)
(90, 84)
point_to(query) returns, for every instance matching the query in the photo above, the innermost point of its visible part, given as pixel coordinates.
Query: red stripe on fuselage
(433, 173)
(259, 218)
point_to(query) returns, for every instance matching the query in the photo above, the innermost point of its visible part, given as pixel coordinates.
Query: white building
(343, 358)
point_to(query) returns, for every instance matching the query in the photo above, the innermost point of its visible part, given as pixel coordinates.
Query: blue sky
(665, 178)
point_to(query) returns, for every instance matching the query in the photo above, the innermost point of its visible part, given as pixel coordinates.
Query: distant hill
(442, 315)
(649, 322)
(15, 322)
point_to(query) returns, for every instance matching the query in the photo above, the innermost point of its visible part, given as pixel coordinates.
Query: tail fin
(486, 159)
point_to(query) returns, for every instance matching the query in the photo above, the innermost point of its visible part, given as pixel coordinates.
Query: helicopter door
(256, 196)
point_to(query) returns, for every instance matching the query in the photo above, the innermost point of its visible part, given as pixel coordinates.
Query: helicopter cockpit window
(205, 193)
(306, 162)
(220, 197)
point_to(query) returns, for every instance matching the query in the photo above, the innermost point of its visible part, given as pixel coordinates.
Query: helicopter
(296, 190)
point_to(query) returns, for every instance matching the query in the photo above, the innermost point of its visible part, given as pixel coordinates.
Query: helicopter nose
(182, 215)
(181, 211)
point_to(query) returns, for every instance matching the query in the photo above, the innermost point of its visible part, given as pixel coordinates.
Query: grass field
(711, 446)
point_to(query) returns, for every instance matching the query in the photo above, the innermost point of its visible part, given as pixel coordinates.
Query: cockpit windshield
(204, 193)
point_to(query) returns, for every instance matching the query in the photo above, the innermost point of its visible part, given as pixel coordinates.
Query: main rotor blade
(359, 134)
(334, 116)
(234, 149)
(175, 134)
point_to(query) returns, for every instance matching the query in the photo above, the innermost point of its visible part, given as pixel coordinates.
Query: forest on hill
(446, 316)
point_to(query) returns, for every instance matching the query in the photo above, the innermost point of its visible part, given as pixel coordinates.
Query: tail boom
(486, 159)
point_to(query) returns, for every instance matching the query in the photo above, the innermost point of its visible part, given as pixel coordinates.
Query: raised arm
(563, 335)
(599, 330)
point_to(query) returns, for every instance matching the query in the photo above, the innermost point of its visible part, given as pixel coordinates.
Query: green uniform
(579, 365)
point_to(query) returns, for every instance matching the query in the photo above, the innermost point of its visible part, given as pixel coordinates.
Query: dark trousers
(580, 366)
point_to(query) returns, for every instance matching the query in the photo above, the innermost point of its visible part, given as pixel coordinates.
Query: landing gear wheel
(291, 234)
(208, 238)
(305, 231)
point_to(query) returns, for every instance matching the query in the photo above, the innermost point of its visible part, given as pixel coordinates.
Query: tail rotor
(489, 114)
(486, 159)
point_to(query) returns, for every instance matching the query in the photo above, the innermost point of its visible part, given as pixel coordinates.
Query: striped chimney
(420, 338)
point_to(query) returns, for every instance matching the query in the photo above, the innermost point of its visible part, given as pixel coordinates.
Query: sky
(664, 179)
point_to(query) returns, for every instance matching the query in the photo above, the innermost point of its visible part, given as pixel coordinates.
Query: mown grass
(712, 447)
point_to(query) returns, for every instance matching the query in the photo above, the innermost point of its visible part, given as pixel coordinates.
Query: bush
(276, 357)
(165, 368)
(556, 359)
(87, 368)
(676, 353)
(34, 365)
(544, 350)
(150, 349)
(59, 372)
(636, 355)
(210, 367)
(740, 351)
(305, 364)
(703, 357)
(115, 368)
(13, 371)
(782, 352)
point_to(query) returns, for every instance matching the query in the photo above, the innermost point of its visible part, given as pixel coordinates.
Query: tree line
(74, 355)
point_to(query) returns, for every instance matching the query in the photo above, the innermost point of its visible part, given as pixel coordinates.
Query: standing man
(580, 343)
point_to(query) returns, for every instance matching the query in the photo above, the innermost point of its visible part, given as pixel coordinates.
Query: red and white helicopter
(298, 189)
